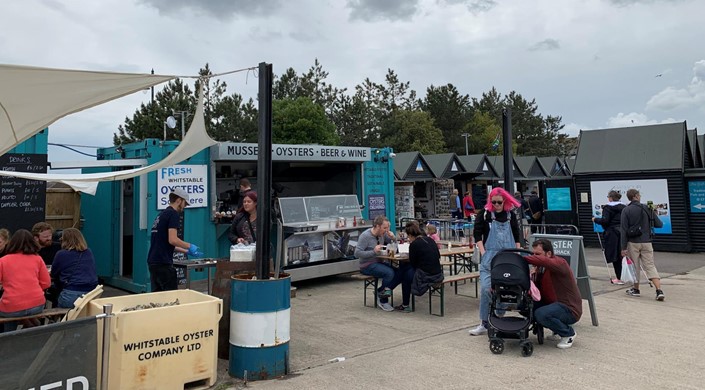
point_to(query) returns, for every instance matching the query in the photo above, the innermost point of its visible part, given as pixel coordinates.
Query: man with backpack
(637, 223)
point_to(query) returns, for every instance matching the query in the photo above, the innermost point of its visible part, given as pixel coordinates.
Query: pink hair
(509, 201)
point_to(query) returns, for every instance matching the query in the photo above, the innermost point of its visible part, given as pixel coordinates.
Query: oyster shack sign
(236, 151)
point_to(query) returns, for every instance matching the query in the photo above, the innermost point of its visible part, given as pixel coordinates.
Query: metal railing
(450, 229)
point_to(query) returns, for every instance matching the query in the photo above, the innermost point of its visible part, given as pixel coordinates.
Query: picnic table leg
(443, 299)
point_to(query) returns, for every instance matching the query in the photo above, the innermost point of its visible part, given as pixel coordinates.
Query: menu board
(22, 201)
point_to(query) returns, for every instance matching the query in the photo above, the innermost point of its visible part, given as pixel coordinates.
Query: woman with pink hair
(496, 228)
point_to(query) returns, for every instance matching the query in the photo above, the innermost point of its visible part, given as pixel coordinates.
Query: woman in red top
(468, 206)
(24, 277)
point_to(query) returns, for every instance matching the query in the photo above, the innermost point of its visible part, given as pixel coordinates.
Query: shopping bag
(628, 270)
(476, 256)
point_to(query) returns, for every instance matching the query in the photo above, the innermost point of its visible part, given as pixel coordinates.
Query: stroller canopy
(510, 269)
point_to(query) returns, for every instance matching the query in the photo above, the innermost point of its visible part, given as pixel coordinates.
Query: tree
(301, 121)
(532, 133)
(311, 84)
(147, 121)
(227, 117)
(407, 130)
(484, 133)
(450, 112)
(355, 120)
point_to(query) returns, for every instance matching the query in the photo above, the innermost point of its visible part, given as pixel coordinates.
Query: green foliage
(227, 117)
(308, 109)
(483, 131)
(407, 130)
(301, 121)
(533, 135)
(147, 122)
(450, 112)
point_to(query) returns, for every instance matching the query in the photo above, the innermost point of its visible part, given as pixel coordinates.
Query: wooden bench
(369, 282)
(45, 317)
(448, 263)
(439, 290)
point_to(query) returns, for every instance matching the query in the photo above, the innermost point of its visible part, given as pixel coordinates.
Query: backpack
(635, 230)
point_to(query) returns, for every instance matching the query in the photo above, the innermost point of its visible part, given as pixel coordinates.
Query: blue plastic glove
(194, 251)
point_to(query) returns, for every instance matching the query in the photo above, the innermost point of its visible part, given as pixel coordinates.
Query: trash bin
(165, 347)
(260, 312)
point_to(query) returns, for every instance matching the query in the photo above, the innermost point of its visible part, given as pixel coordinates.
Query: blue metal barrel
(260, 313)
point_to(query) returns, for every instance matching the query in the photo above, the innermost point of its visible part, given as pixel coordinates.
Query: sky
(596, 63)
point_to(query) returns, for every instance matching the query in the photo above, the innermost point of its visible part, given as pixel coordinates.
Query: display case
(319, 230)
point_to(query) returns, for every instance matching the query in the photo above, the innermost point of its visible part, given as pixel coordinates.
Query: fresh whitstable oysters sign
(191, 178)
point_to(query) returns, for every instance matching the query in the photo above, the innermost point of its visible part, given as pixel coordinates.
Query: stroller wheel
(497, 347)
(527, 349)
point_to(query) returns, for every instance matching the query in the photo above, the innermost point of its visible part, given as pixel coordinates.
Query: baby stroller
(510, 283)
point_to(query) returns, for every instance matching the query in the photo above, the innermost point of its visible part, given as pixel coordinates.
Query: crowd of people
(38, 266)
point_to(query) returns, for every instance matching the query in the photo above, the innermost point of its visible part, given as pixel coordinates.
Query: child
(432, 233)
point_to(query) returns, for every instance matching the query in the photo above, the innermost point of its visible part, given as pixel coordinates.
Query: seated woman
(24, 278)
(73, 269)
(425, 265)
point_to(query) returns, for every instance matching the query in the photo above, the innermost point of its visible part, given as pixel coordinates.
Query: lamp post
(466, 135)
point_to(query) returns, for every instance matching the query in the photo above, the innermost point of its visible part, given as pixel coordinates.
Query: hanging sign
(191, 178)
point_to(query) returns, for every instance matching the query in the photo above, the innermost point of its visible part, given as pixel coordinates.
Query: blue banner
(696, 190)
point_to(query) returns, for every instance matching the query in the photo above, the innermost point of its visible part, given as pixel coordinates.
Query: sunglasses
(497, 201)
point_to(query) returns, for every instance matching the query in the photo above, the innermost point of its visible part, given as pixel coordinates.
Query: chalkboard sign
(22, 201)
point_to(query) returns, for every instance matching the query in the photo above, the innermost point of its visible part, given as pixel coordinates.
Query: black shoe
(634, 292)
(659, 295)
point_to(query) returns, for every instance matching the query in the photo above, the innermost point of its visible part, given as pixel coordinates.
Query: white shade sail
(33, 98)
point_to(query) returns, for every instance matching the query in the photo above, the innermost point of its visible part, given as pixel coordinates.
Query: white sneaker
(566, 342)
(384, 306)
(480, 330)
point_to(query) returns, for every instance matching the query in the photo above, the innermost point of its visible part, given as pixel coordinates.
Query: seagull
(659, 75)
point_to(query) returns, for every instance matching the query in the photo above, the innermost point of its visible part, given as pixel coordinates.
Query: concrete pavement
(639, 343)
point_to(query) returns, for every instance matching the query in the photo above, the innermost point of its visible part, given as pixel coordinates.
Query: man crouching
(558, 316)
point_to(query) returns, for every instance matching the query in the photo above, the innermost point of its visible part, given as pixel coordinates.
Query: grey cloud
(475, 6)
(258, 34)
(221, 9)
(546, 44)
(627, 3)
(305, 36)
(376, 10)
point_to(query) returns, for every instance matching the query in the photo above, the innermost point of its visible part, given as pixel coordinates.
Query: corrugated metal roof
(570, 164)
(695, 148)
(531, 167)
(481, 164)
(555, 167)
(701, 142)
(412, 166)
(498, 162)
(638, 148)
(443, 165)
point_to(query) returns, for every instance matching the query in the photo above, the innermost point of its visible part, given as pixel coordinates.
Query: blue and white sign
(696, 189)
(654, 192)
(191, 178)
